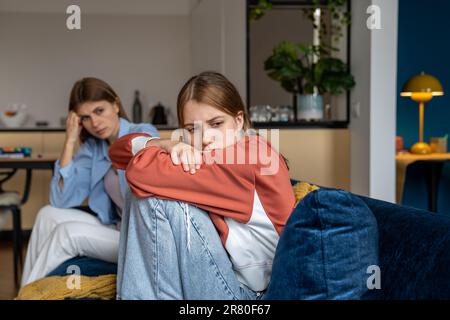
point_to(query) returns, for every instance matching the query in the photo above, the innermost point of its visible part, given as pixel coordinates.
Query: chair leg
(17, 243)
(20, 237)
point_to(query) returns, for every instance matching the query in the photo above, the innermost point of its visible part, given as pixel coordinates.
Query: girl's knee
(148, 208)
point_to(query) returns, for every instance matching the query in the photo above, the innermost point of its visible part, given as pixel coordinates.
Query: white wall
(360, 99)
(206, 35)
(383, 88)
(234, 44)
(122, 7)
(153, 46)
(373, 127)
(219, 39)
(40, 59)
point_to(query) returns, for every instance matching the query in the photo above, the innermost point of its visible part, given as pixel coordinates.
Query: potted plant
(293, 66)
(310, 71)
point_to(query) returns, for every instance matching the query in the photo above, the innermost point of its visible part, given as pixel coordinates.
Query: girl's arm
(224, 189)
(124, 148)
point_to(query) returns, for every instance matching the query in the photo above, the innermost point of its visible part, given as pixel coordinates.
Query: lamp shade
(421, 88)
(422, 83)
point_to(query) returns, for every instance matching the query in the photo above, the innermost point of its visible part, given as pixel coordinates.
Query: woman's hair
(214, 89)
(91, 90)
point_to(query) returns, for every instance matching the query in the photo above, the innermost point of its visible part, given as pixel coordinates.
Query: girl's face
(214, 128)
(100, 119)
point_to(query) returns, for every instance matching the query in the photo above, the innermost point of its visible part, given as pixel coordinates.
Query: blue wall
(424, 45)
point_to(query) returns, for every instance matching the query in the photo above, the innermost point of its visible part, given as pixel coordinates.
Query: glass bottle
(137, 108)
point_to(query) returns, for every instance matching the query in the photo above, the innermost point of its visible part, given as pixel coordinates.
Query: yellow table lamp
(422, 88)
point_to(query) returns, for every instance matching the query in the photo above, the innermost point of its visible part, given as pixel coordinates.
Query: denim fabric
(325, 249)
(171, 250)
(414, 252)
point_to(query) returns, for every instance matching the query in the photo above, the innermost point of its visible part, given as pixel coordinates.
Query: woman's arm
(73, 129)
(76, 177)
(69, 185)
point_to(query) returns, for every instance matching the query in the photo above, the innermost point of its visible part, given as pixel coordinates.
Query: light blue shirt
(83, 176)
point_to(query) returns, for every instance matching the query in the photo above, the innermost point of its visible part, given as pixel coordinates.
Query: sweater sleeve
(223, 189)
(226, 190)
(121, 151)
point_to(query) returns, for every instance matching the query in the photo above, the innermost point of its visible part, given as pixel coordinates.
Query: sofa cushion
(326, 248)
(69, 288)
(88, 267)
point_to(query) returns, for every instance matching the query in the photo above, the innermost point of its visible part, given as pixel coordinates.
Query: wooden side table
(434, 164)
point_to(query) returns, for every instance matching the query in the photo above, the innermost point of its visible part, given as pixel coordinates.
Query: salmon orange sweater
(248, 202)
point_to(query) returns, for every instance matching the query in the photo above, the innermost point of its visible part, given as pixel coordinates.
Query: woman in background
(63, 229)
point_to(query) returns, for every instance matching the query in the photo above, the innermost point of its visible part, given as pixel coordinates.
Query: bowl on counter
(13, 119)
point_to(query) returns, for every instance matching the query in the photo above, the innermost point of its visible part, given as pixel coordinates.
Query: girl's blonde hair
(212, 88)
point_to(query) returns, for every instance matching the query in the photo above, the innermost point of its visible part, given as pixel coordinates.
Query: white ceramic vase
(309, 107)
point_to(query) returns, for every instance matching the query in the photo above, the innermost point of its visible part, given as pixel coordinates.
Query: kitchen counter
(32, 129)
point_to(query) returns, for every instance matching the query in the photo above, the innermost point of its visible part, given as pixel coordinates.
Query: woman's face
(215, 129)
(100, 119)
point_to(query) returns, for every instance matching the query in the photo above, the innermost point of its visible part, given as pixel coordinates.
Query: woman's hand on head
(180, 153)
(73, 127)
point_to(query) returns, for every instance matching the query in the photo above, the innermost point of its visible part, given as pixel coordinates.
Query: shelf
(32, 129)
(302, 125)
(256, 125)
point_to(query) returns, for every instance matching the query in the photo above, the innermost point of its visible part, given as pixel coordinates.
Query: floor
(7, 288)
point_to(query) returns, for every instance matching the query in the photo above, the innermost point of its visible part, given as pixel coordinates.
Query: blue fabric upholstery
(326, 247)
(414, 252)
(88, 267)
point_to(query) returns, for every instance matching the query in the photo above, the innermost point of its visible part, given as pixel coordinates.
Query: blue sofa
(414, 254)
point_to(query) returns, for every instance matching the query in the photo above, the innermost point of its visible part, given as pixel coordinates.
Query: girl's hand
(180, 153)
(73, 127)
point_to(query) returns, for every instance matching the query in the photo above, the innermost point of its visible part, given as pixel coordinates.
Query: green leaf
(291, 64)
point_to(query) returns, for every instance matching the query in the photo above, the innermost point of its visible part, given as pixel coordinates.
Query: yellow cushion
(301, 189)
(60, 288)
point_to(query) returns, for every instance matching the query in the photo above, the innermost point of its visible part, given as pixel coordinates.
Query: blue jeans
(171, 250)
